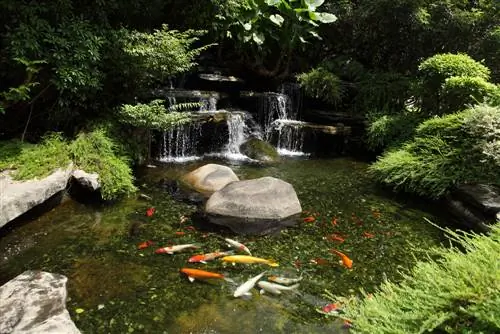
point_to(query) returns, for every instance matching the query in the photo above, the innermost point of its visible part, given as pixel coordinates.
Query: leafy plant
(322, 84)
(164, 52)
(263, 27)
(455, 290)
(459, 92)
(153, 115)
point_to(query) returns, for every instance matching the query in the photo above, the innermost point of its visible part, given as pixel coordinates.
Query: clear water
(122, 289)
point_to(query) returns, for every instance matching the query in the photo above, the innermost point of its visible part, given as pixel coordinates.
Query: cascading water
(278, 113)
(236, 128)
(179, 143)
(208, 104)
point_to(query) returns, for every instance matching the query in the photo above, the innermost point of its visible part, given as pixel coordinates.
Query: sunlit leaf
(277, 19)
(326, 17)
(272, 2)
(247, 26)
(258, 38)
(313, 4)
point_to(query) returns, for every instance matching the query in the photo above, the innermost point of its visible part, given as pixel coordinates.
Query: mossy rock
(258, 149)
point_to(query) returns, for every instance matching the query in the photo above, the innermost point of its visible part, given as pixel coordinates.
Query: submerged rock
(259, 206)
(210, 178)
(35, 302)
(20, 196)
(258, 149)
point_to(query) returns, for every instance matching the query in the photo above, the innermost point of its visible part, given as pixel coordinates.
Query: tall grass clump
(30, 161)
(455, 291)
(95, 152)
(445, 151)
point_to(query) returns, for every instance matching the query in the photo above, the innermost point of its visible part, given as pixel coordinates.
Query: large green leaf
(313, 4)
(326, 17)
(277, 19)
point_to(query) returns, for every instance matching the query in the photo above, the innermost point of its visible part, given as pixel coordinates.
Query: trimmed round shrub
(459, 92)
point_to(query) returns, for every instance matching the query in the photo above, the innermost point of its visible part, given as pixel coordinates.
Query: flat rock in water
(20, 196)
(259, 206)
(35, 302)
(210, 178)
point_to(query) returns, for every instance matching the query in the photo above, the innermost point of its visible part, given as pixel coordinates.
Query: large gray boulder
(18, 197)
(210, 178)
(259, 206)
(35, 302)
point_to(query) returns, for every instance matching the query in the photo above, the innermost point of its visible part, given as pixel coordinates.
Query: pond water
(115, 288)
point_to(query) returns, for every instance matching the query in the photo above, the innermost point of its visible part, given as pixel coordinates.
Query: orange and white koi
(284, 280)
(346, 261)
(368, 235)
(175, 248)
(330, 308)
(238, 246)
(193, 274)
(203, 258)
(248, 260)
(150, 212)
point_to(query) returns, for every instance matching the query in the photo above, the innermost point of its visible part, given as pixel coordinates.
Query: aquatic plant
(459, 291)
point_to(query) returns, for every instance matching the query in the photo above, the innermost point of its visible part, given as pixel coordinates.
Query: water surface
(115, 288)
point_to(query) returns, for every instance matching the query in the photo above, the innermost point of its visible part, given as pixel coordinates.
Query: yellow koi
(248, 259)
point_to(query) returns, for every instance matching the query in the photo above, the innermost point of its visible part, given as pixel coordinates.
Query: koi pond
(114, 287)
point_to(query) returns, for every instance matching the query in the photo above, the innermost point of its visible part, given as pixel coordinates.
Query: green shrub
(95, 152)
(459, 92)
(389, 130)
(34, 161)
(153, 115)
(455, 293)
(435, 70)
(322, 84)
(445, 151)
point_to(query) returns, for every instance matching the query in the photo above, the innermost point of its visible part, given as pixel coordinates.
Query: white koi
(275, 288)
(284, 280)
(244, 289)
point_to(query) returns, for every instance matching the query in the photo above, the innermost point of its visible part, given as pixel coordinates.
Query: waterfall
(208, 104)
(278, 113)
(179, 143)
(236, 126)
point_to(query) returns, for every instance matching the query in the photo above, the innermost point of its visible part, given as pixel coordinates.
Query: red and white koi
(203, 258)
(238, 246)
(175, 248)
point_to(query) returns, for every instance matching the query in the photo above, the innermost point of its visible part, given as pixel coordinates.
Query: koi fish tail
(273, 264)
(229, 280)
(294, 287)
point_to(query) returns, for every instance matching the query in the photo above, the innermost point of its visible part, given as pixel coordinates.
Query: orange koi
(346, 261)
(145, 244)
(180, 233)
(309, 219)
(193, 274)
(319, 261)
(191, 228)
(334, 221)
(330, 308)
(376, 214)
(335, 237)
(368, 235)
(150, 212)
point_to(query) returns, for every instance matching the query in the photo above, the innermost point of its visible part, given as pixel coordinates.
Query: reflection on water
(122, 289)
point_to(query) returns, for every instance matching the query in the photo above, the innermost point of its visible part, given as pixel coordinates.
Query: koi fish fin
(204, 262)
(293, 287)
(229, 280)
(234, 263)
(169, 252)
(262, 291)
(247, 294)
(273, 264)
(191, 279)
